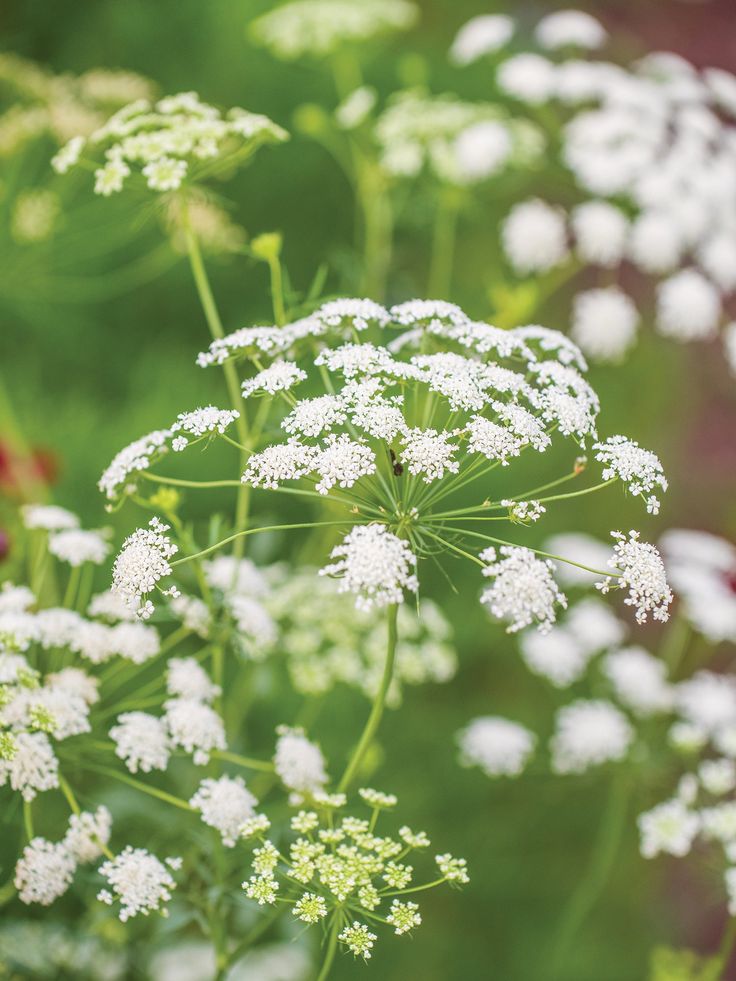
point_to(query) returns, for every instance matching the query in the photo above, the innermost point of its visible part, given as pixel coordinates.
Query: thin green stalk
(331, 950)
(179, 482)
(28, 819)
(595, 877)
(379, 702)
(717, 970)
(443, 245)
(232, 381)
(253, 531)
(72, 586)
(245, 761)
(139, 785)
(277, 290)
(454, 548)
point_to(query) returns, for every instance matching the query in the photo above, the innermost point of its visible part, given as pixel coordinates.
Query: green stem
(28, 819)
(72, 586)
(253, 531)
(232, 381)
(139, 785)
(379, 702)
(277, 290)
(443, 246)
(69, 794)
(720, 962)
(178, 482)
(595, 877)
(245, 761)
(331, 950)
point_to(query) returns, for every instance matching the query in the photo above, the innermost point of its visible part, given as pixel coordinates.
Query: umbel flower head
(162, 145)
(389, 412)
(337, 871)
(320, 27)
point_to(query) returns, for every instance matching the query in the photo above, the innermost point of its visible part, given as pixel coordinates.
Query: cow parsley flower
(278, 377)
(604, 323)
(570, 28)
(141, 564)
(142, 741)
(77, 547)
(702, 570)
(641, 571)
(186, 678)
(638, 468)
(138, 881)
(708, 701)
(49, 517)
(498, 746)
(33, 767)
(299, 763)
(639, 680)
(534, 237)
(225, 804)
(527, 77)
(375, 565)
(44, 872)
(523, 589)
(670, 827)
(201, 422)
(479, 36)
(589, 733)
(688, 307)
(195, 727)
(600, 231)
(358, 939)
(88, 834)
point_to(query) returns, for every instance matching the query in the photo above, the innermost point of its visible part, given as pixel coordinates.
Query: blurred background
(99, 328)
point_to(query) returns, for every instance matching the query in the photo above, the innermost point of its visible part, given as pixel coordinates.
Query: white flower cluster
(142, 562)
(46, 869)
(499, 747)
(523, 591)
(299, 763)
(461, 143)
(648, 151)
(702, 570)
(639, 469)
(145, 742)
(190, 427)
(375, 565)
(138, 881)
(176, 138)
(640, 569)
(225, 804)
(320, 27)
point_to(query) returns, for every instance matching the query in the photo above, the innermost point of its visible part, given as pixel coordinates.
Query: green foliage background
(84, 376)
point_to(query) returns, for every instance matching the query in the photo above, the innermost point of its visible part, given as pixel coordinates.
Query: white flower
(639, 469)
(556, 655)
(528, 77)
(604, 323)
(44, 872)
(718, 777)
(68, 155)
(200, 422)
(165, 173)
(374, 564)
(498, 746)
(655, 242)
(193, 613)
(708, 701)
(132, 459)
(594, 625)
(723, 86)
(138, 881)
(68, 714)
(109, 179)
(481, 150)
(110, 606)
(257, 631)
(196, 727)
(589, 733)
(702, 570)
(573, 28)
(141, 740)
(358, 939)
(670, 827)
(534, 237)
(600, 231)
(278, 377)
(479, 36)
(231, 575)
(224, 804)
(688, 307)
(717, 258)
(34, 768)
(75, 682)
(15, 599)
(142, 562)
(77, 547)
(639, 680)
(49, 517)
(523, 590)
(719, 822)
(403, 916)
(299, 763)
(88, 834)
(186, 678)
(279, 462)
(428, 453)
(641, 571)
(313, 417)
(356, 107)
(342, 461)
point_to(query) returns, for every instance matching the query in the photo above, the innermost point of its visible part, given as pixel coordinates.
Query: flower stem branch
(379, 702)
(331, 950)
